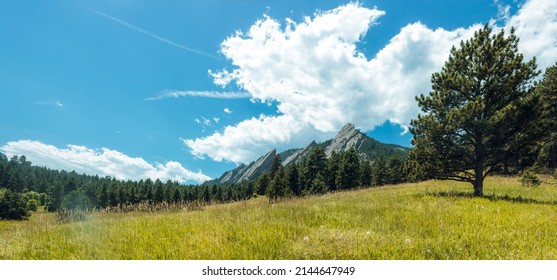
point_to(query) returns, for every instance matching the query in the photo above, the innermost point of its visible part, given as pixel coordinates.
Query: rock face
(246, 172)
(299, 155)
(348, 137)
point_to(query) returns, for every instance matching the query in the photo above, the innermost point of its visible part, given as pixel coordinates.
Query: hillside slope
(429, 220)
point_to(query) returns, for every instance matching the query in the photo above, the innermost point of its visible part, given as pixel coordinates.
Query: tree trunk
(479, 177)
(479, 187)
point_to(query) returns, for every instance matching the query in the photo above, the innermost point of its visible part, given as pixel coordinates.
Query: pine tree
(478, 111)
(250, 189)
(334, 175)
(315, 166)
(275, 165)
(293, 178)
(366, 173)
(318, 185)
(350, 167)
(262, 184)
(395, 167)
(278, 187)
(378, 172)
(159, 192)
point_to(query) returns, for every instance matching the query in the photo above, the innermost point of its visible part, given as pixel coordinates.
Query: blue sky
(185, 90)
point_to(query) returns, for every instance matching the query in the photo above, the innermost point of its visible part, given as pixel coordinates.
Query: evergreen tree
(56, 194)
(315, 166)
(293, 177)
(318, 185)
(205, 195)
(334, 172)
(349, 177)
(250, 189)
(477, 112)
(395, 170)
(262, 184)
(102, 197)
(159, 192)
(176, 195)
(378, 172)
(275, 165)
(278, 187)
(366, 173)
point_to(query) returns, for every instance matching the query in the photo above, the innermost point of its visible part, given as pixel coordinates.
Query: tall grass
(429, 220)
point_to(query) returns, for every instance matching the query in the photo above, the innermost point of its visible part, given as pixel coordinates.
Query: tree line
(319, 174)
(24, 187)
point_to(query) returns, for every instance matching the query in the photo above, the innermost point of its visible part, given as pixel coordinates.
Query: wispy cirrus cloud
(50, 103)
(148, 33)
(209, 94)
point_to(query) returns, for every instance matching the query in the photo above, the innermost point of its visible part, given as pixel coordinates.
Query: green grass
(429, 220)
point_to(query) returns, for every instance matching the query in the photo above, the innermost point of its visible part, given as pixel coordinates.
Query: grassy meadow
(428, 220)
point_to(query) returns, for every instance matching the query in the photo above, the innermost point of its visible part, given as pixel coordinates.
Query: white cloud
(206, 121)
(503, 11)
(209, 94)
(102, 162)
(252, 136)
(320, 81)
(216, 120)
(536, 26)
(228, 111)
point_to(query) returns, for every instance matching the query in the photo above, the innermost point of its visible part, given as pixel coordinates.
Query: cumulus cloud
(320, 81)
(503, 11)
(228, 111)
(102, 162)
(536, 26)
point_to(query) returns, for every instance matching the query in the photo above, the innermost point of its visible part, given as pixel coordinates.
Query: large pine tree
(478, 112)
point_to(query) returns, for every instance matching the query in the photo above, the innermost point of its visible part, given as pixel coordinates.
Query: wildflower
(306, 238)
(408, 241)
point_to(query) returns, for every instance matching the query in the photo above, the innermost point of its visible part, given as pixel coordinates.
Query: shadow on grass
(492, 197)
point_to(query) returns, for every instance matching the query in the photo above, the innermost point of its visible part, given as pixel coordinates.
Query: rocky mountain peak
(299, 155)
(346, 138)
(347, 128)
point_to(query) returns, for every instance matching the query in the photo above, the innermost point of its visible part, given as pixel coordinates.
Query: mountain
(348, 137)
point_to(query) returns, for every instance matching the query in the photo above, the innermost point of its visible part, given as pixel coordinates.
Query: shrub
(13, 206)
(32, 204)
(529, 179)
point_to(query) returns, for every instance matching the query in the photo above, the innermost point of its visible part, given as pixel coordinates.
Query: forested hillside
(25, 185)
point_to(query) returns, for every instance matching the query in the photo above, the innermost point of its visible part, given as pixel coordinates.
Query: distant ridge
(348, 137)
